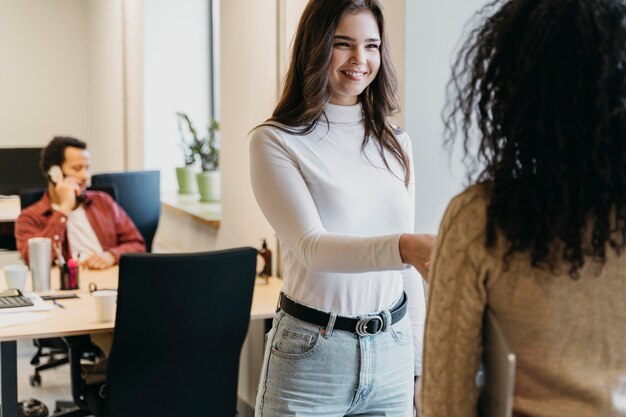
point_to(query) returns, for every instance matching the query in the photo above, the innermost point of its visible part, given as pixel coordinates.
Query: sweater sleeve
(286, 202)
(456, 303)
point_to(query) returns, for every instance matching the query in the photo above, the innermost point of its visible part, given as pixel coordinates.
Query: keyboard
(13, 298)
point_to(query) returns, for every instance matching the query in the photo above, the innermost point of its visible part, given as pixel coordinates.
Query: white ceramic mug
(15, 276)
(106, 303)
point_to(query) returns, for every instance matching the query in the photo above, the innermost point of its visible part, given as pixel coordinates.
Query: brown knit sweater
(569, 335)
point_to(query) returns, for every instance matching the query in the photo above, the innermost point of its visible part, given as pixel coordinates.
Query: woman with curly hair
(538, 238)
(334, 178)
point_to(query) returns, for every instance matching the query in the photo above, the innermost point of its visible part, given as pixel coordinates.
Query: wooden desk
(79, 317)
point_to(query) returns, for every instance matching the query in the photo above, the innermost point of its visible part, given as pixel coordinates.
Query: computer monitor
(19, 169)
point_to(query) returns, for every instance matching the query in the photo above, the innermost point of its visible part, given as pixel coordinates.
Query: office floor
(55, 383)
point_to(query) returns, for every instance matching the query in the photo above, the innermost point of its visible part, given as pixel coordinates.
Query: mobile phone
(55, 174)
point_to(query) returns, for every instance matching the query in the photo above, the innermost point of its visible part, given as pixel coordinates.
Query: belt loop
(386, 319)
(328, 332)
(282, 294)
(386, 314)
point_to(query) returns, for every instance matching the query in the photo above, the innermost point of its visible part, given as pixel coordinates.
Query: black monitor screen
(19, 169)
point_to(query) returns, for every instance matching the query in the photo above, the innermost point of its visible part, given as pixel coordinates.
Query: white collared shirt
(82, 239)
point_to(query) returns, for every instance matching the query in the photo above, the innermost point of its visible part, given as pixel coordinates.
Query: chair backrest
(30, 196)
(496, 397)
(139, 195)
(181, 321)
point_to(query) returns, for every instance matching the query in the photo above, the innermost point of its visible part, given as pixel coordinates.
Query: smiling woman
(333, 178)
(355, 60)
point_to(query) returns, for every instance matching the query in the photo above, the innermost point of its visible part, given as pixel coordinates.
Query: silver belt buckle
(361, 326)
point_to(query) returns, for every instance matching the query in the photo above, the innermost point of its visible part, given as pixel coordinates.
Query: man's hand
(66, 191)
(99, 261)
(416, 250)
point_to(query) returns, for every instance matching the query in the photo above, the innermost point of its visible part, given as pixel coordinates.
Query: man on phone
(88, 225)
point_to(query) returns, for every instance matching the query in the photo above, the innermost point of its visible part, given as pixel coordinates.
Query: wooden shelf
(209, 214)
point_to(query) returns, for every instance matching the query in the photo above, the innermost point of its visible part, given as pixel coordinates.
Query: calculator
(13, 298)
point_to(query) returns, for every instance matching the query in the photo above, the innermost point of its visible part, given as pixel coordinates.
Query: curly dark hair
(306, 88)
(542, 83)
(54, 152)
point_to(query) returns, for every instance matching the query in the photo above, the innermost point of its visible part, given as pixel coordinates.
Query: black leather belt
(363, 326)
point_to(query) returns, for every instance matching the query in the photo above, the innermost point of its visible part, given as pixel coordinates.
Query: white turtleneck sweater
(339, 213)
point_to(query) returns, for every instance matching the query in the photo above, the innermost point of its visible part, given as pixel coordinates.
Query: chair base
(35, 379)
(55, 350)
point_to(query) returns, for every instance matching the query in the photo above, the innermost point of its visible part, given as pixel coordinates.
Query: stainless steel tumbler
(40, 256)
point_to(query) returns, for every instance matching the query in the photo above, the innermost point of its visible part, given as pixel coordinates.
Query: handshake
(416, 250)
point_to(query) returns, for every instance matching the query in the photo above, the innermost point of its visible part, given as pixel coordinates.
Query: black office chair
(30, 196)
(139, 194)
(196, 307)
(55, 349)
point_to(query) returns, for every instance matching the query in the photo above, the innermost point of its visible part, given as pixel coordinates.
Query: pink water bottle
(69, 275)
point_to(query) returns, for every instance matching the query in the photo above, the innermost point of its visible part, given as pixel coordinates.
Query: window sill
(209, 214)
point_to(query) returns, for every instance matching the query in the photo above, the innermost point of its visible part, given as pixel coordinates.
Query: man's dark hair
(54, 152)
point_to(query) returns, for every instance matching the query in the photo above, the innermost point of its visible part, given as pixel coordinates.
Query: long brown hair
(306, 88)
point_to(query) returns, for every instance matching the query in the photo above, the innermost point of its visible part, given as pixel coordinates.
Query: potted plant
(208, 152)
(189, 143)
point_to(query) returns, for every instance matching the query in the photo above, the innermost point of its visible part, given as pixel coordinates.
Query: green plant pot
(186, 177)
(209, 185)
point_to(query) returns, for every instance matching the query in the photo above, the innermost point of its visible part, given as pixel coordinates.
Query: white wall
(433, 31)
(44, 75)
(248, 86)
(248, 66)
(133, 84)
(176, 79)
(61, 74)
(289, 15)
(106, 88)
(394, 11)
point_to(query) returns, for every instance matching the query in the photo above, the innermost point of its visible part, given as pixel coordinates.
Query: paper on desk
(14, 319)
(39, 305)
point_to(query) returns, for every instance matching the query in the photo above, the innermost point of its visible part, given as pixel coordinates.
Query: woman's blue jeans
(309, 370)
